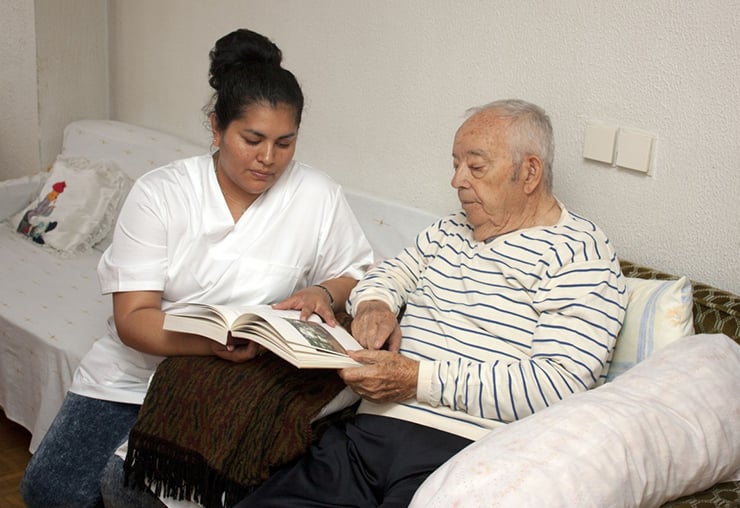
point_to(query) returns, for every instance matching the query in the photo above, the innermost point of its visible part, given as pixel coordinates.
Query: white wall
(72, 59)
(54, 59)
(387, 83)
(19, 140)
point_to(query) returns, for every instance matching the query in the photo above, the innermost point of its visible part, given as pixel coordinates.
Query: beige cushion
(658, 313)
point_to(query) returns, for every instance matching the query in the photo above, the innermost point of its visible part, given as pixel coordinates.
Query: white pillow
(77, 205)
(658, 312)
(665, 429)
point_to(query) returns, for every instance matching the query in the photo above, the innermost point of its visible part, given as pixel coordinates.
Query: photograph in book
(305, 344)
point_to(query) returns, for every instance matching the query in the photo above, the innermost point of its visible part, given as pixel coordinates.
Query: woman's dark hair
(245, 70)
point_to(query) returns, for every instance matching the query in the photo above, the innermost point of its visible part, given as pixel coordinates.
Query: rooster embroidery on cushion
(35, 229)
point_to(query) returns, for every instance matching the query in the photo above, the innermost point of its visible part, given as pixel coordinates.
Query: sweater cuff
(425, 387)
(356, 299)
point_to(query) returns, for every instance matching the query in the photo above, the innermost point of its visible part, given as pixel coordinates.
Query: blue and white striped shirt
(501, 328)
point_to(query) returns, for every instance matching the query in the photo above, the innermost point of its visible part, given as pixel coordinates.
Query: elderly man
(507, 307)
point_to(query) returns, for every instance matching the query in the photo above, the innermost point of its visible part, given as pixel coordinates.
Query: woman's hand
(238, 353)
(310, 300)
(320, 299)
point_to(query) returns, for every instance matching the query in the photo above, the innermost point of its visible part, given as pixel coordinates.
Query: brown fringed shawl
(212, 431)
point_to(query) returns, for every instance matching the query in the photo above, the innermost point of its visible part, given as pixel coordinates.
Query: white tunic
(175, 234)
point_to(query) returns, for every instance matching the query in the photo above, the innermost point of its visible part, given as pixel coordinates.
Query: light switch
(635, 150)
(598, 143)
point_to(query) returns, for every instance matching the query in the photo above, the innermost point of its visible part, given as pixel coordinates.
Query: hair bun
(239, 49)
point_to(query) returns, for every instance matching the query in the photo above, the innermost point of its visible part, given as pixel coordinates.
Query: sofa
(51, 310)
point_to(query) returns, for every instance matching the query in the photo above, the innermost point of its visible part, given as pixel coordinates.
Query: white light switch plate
(635, 150)
(598, 143)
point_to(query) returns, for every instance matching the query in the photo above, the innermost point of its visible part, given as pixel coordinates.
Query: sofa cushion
(77, 205)
(662, 430)
(715, 310)
(658, 313)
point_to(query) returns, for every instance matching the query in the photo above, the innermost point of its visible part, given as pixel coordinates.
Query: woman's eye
(283, 145)
(252, 142)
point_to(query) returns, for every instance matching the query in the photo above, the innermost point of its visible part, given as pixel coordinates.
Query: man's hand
(384, 377)
(375, 324)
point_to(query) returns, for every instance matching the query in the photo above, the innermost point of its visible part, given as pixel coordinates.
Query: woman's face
(254, 150)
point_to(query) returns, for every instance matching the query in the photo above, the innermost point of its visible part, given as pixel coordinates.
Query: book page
(225, 314)
(315, 334)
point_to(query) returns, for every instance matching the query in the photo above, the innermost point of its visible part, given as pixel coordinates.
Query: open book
(308, 344)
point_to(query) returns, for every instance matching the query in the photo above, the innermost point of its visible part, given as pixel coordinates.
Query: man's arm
(572, 340)
(384, 290)
(571, 343)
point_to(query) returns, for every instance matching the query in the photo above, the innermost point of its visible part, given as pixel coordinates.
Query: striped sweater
(501, 328)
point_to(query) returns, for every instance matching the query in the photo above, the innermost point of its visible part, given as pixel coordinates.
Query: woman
(245, 225)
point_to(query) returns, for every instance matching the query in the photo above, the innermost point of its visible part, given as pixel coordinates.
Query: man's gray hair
(530, 133)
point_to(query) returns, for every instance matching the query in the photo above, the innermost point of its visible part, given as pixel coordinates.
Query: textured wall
(19, 147)
(72, 42)
(54, 57)
(387, 83)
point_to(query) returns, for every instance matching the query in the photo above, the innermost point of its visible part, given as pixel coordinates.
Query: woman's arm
(139, 318)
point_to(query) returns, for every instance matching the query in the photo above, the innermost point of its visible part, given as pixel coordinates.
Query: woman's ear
(215, 130)
(532, 168)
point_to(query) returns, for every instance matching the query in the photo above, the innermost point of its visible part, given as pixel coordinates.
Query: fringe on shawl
(212, 431)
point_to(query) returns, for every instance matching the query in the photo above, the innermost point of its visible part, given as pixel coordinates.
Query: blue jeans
(116, 495)
(67, 467)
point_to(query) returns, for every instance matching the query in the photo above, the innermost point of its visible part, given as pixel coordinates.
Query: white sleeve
(137, 258)
(344, 249)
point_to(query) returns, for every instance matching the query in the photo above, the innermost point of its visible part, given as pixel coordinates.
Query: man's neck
(544, 211)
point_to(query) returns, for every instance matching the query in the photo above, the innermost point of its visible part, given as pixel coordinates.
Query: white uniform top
(175, 234)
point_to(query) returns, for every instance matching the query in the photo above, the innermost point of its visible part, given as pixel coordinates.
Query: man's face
(484, 175)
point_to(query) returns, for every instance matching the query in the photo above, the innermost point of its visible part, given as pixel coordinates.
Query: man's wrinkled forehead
(482, 129)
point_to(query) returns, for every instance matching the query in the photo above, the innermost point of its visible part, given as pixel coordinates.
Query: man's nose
(459, 178)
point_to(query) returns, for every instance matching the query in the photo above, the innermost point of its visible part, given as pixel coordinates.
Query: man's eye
(284, 144)
(252, 142)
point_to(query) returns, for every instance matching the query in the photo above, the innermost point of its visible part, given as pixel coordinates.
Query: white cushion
(77, 206)
(665, 429)
(134, 149)
(658, 313)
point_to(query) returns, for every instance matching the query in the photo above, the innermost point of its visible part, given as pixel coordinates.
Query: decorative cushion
(77, 206)
(666, 428)
(658, 312)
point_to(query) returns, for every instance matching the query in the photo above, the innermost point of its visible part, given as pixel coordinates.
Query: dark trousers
(373, 461)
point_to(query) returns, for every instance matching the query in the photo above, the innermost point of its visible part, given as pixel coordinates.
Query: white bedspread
(51, 312)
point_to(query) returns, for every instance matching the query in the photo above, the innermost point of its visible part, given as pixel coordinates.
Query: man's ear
(532, 171)
(215, 130)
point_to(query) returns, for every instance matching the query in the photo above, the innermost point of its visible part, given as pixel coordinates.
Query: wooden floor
(14, 456)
